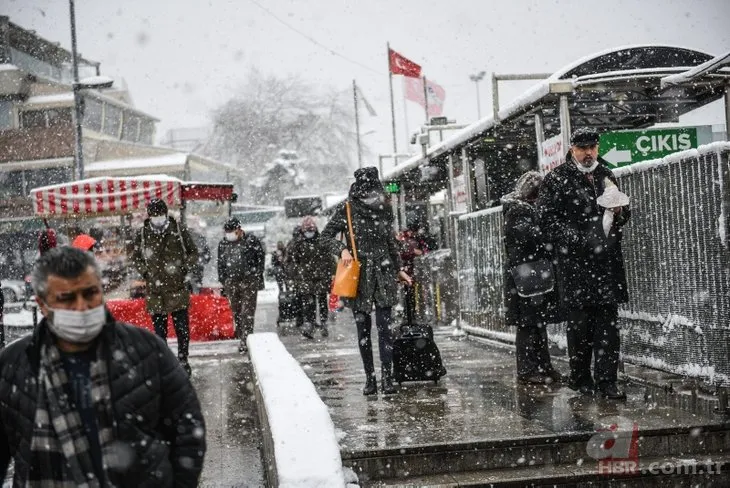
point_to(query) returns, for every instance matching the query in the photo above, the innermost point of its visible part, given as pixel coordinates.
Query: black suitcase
(415, 354)
(288, 306)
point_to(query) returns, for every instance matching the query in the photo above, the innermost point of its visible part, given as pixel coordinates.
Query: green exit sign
(392, 187)
(627, 147)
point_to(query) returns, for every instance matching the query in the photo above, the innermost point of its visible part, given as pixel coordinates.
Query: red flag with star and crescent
(400, 65)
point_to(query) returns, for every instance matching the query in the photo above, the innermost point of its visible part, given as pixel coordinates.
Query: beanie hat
(232, 224)
(367, 181)
(156, 207)
(84, 242)
(309, 224)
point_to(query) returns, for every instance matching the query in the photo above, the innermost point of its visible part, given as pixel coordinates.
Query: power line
(312, 40)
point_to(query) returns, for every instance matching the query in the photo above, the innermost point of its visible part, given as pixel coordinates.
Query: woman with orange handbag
(366, 220)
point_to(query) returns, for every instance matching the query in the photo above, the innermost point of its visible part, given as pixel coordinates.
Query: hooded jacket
(156, 411)
(377, 250)
(590, 267)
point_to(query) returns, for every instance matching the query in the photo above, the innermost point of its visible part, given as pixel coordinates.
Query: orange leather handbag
(347, 277)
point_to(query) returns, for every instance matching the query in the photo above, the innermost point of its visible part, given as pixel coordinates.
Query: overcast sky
(183, 58)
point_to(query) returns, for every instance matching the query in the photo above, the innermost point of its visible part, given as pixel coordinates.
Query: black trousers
(385, 339)
(531, 350)
(182, 329)
(593, 333)
(313, 303)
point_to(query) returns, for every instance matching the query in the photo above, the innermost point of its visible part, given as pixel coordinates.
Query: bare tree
(270, 114)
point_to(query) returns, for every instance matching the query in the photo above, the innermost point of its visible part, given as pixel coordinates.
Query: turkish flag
(400, 65)
(436, 95)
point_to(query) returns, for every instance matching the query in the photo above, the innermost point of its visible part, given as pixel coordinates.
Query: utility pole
(476, 79)
(78, 149)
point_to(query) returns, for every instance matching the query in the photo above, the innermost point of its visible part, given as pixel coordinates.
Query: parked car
(13, 290)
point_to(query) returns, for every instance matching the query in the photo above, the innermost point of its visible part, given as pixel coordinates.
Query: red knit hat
(84, 242)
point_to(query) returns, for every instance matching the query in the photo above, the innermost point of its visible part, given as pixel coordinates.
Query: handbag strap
(352, 233)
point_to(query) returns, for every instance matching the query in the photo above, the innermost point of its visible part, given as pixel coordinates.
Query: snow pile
(305, 444)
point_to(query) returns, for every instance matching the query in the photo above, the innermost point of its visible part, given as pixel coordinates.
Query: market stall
(127, 198)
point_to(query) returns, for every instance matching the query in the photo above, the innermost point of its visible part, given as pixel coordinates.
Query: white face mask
(371, 200)
(158, 221)
(77, 327)
(309, 235)
(231, 236)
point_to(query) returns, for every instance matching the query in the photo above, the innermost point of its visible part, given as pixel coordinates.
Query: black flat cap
(585, 136)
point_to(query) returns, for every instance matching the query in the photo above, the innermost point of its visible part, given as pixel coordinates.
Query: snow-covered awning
(166, 163)
(105, 196)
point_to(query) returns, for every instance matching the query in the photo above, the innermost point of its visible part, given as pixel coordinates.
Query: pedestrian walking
(241, 272)
(88, 401)
(278, 257)
(531, 300)
(164, 254)
(380, 268)
(590, 269)
(310, 266)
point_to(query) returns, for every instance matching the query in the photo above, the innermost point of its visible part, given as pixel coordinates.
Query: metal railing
(677, 259)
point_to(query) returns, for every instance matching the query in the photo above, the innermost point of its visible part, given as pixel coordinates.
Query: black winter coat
(310, 265)
(241, 261)
(524, 242)
(590, 266)
(377, 250)
(155, 407)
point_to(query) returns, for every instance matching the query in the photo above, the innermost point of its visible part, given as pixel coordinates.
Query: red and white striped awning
(105, 196)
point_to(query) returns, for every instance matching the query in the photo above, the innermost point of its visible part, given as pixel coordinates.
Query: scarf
(585, 170)
(59, 446)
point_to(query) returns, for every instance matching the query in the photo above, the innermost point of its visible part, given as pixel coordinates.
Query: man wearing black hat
(241, 272)
(590, 268)
(164, 254)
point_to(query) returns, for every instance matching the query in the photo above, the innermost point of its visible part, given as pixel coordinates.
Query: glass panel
(130, 126)
(58, 116)
(92, 114)
(146, 131)
(6, 114)
(48, 176)
(11, 184)
(112, 119)
(33, 118)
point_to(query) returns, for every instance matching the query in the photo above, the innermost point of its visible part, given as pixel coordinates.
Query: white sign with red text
(552, 153)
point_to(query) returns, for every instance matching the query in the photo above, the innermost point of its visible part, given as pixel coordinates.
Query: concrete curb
(299, 442)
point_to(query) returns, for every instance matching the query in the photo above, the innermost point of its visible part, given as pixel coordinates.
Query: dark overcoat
(377, 250)
(590, 266)
(524, 242)
(309, 265)
(156, 411)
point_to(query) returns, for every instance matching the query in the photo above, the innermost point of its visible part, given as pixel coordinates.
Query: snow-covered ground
(270, 294)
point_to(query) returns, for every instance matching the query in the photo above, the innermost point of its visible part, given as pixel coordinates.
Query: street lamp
(476, 79)
(95, 82)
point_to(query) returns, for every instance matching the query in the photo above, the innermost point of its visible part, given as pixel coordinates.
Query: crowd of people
(90, 401)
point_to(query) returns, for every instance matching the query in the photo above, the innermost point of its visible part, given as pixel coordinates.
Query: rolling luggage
(415, 354)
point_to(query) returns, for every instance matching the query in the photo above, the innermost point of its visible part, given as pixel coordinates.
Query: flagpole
(405, 116)
(357, 125)
(425, 98)
(392, 106)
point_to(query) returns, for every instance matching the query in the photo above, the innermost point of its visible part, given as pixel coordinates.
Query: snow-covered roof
(8, 67)
(167, 162)
(67, 97)
(706, 67)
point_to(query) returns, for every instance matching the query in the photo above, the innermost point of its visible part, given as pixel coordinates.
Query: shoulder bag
(347, 277)
(534, 278)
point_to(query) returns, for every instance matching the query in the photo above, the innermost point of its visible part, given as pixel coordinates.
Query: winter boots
(386, 386)
(370, 385)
